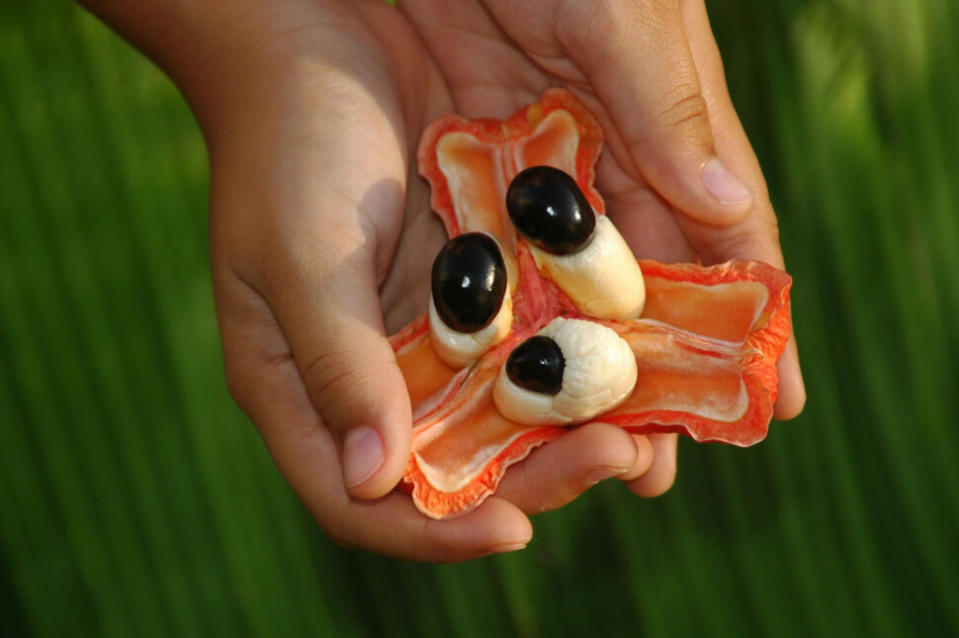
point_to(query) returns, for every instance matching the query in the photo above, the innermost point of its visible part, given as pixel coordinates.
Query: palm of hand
(461, 61)
(307, 225)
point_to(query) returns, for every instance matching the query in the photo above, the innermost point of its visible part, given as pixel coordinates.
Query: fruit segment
(705, 345)
(718, 387)
(470, 163)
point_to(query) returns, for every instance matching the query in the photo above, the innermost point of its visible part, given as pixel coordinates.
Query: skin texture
(321, 237)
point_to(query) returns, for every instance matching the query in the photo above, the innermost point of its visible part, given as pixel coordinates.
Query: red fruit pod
(706, 344)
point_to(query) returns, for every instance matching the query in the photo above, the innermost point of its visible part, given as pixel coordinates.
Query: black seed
(537, 364)
(469, 282)
(548, 208)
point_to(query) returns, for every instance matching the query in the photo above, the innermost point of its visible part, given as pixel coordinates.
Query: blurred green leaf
(139, 501)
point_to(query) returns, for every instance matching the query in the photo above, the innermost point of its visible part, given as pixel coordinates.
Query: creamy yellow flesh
(599, 374)
(603, 279)
(460, 349)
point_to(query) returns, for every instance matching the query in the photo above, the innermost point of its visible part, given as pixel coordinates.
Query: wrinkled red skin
(706, 343)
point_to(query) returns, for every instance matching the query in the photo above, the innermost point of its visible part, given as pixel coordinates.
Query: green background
(138, 501)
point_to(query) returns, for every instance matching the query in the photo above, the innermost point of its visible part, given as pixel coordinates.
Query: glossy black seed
(549, 209)
(469, 282)
(537, 364)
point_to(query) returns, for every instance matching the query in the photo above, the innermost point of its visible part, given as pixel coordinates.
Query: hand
(680, 179)
(312, 111)
(311, 174)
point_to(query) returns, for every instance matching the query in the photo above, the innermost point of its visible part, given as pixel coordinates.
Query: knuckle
(756, 238)
(333, 379)
(324, 372)
(685, 108)
(248, 381)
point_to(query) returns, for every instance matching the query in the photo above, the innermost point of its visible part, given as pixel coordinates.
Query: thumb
(639, 62)
(329, 310)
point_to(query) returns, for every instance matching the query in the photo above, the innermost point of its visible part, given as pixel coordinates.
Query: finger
(757, 237)
(662, 473)
(390, 525)
(637, 58)
(644, 458)
(557, 473)
(328, 308)
(645, 220)
(264, 379)
(792, 390)
(309, 251)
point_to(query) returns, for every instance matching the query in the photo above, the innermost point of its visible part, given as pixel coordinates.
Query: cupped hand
(322, 237)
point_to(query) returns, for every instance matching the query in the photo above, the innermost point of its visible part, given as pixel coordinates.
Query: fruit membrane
(706, 343)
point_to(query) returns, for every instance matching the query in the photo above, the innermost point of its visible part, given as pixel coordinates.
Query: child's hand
(320, 229)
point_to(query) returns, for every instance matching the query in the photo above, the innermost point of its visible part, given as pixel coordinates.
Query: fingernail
(362, 455)
(722, 184)
(504, 548)
(602, 474)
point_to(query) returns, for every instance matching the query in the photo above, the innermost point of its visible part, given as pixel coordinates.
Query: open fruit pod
(541, 319)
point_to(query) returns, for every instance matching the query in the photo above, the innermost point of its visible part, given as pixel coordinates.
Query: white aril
(602, 278)
(599, 373)
(460, 349)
